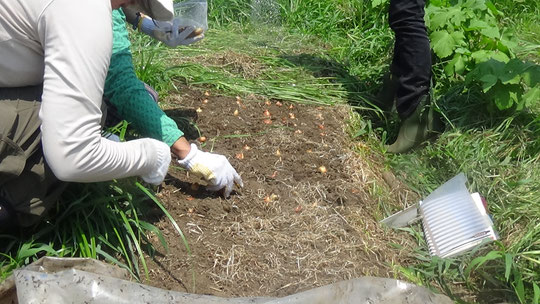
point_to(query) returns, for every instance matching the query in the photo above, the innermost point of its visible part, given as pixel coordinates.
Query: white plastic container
(454, 220)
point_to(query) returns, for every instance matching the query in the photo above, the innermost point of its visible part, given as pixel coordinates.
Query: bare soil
(305, 216)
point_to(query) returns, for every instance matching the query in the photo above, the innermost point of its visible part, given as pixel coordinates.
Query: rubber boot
(421, 125)
(387, 95)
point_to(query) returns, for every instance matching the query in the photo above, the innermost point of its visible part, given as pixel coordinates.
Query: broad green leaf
(492, 21)
(443, 43)
(487, 43)
(499, 56)
(512, 70)
(480, 56)
(459, 38)
(520, 105)
(514, 98)
(536, 296)
(501, 97)
(495, 66)
(456, 16)
(503, 47)
(503, 101)
(505, 79)
(450, 67)
(475, 4)
(517, 66)
(531, 97)
(488, 67)
(477, 25)
(507, 42)
(460, 65)
(462, 50)
(491, 32)
(456, 65)
(469, 14)
(483, 55)
(531, 76)
(488, 81)
(437, 19)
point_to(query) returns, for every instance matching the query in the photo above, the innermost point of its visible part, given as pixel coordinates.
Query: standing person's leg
(411, 64)
(411, 70)
(28, 188)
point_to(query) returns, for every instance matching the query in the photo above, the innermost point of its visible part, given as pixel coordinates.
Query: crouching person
(54, 59)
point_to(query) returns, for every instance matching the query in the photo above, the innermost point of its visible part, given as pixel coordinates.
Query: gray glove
(171, 33)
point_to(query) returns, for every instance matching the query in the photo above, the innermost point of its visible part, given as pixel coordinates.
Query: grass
(332, 52)
(100, 221)
(95, 221)
(498, 166)
(524, 17)
(499, 154)
(268, 68)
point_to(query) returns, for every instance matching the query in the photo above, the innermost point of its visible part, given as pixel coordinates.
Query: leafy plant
(513, 84)
(465, 33)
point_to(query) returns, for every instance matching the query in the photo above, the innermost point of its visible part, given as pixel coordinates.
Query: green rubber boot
(423, 124)
(386, 96)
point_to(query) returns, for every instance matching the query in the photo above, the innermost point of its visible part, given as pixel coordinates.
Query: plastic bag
(188, 13)
(192, 13)
(103, 283)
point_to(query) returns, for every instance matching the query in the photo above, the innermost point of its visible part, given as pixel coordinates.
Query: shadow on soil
(463, 109)
(185, 119)
(360, 92)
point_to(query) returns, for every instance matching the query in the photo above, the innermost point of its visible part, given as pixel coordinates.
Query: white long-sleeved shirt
(66, 44)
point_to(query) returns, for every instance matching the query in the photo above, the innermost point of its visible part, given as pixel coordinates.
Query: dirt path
(295, 225)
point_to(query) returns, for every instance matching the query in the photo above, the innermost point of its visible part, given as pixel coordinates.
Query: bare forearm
(181, 148)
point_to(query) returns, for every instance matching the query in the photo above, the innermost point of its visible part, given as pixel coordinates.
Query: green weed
(96, 221)
(331, 52)
(99, 220)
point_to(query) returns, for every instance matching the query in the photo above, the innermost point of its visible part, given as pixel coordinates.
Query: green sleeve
(120, 33)
(134, 104)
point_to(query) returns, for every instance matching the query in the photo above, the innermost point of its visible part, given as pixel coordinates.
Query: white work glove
(170, 32)
(163, 160)
(214, 168)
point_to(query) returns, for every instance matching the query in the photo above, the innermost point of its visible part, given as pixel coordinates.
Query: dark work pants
(27, 184)
(411, 65)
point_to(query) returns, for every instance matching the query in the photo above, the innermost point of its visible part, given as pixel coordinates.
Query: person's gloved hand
(163, 160)
(214, 168)
(170, 32)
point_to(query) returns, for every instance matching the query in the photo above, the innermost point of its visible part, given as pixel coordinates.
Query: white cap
(161, 10)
